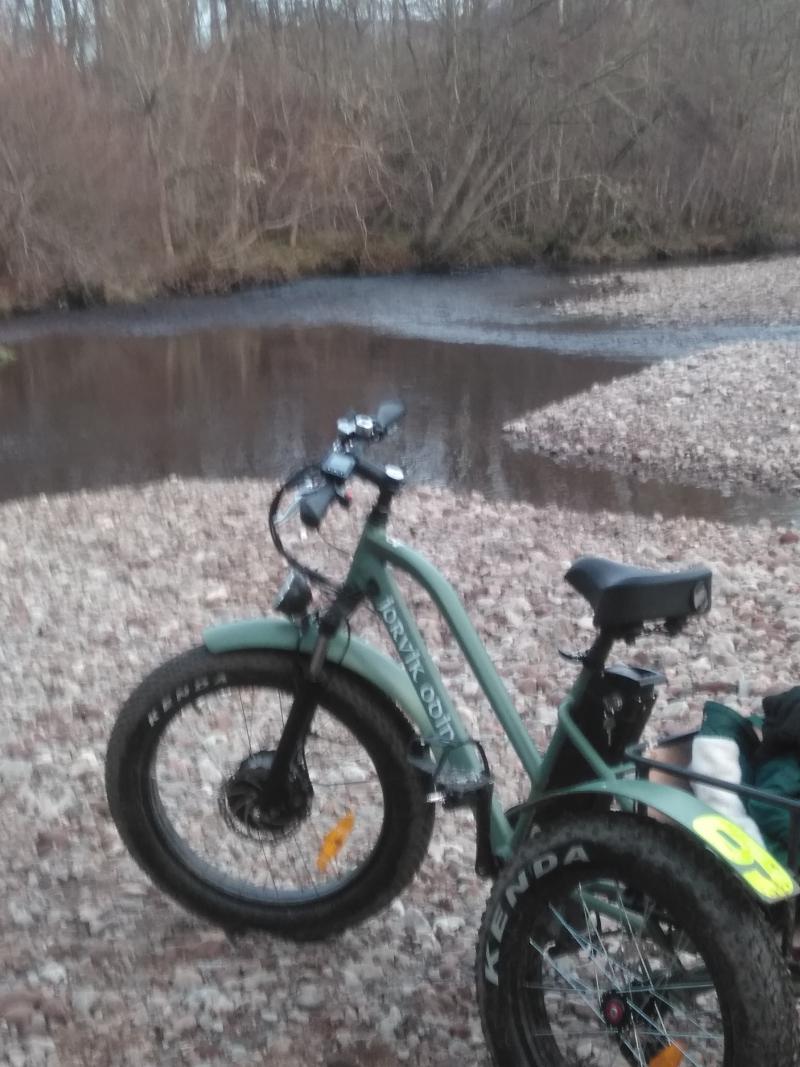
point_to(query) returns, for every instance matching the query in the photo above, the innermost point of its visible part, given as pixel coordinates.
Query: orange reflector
(671, 1056)
(335, 840)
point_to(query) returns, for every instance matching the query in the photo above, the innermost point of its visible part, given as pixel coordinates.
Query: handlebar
(321, 483)
(344, 460)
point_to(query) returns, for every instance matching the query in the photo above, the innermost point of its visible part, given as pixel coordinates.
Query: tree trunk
(43, 23)
(447, 195)
(161, 187)
(70, 27)
(238, 137)
(99, 31)
(213, 20)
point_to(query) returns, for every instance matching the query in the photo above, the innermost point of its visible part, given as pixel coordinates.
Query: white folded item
(718, 757)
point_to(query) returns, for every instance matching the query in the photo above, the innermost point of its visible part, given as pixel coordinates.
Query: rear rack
(644, 764)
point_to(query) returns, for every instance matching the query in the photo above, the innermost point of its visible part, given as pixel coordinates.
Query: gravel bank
(727, 419)
(757, 291)
(96, 589)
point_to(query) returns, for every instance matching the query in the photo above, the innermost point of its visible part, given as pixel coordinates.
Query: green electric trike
(284, 776)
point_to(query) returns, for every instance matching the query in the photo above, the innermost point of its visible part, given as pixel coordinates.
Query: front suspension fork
(288, 754)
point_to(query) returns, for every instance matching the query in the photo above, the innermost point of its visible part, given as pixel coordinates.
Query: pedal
(487, 865)
(420, 757)
(458, 789)
(455, 788)
(449, 785)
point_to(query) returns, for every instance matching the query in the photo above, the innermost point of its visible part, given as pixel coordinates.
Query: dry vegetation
(202, 143)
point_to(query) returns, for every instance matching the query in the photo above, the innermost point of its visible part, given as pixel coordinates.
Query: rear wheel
(612, 940)
(186, 761)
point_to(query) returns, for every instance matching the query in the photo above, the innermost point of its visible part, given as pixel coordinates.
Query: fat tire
(725, 923)
(361, 707)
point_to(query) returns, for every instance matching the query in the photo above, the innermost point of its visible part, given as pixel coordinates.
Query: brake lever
(292, 509)
(287, 512)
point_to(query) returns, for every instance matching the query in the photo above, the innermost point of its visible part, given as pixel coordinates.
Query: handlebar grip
(390, 412)
(314, 506)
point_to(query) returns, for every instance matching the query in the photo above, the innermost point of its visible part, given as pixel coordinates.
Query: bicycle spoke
(588, 920)
(620, 949)
(199, 754)
(573, 985)
(246, 725)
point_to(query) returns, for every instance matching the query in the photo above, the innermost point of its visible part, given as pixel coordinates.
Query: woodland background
(198, 144)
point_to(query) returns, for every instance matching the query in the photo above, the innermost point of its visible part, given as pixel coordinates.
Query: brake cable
(349, 430)
(302, 568)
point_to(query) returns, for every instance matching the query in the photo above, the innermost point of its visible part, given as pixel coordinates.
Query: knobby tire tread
(351, 700)
(765, 1019)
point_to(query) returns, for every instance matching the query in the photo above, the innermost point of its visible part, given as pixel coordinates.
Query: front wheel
(611, 941)
(188, 756)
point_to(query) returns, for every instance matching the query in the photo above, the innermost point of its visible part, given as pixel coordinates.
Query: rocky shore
(755, 291)
(96, 589)
(726, 417)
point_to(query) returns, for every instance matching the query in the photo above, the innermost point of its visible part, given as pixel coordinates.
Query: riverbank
(725, 418)
(265, 263)
(758, 290)
(97, 588)
(276, 262)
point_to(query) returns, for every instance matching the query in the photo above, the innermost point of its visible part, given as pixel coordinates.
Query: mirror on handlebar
(319, 486)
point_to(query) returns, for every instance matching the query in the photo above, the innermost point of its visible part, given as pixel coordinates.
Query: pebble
(390, 1022)
(13, 772)
(187, 978)
(738, 434)
(759, 291)
(84, 1000)
(143, 979)
(17, 1008)
(310, 996)
(448, 924)
(53, 973)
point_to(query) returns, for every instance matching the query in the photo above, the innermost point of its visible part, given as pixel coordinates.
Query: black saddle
(624, 597)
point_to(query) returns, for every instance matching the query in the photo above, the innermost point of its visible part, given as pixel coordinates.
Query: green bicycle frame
(431, 709)
(370, 572)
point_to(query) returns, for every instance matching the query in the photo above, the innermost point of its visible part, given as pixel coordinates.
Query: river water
(251, 384)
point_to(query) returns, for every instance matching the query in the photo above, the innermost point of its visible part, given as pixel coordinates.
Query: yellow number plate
(760, 870)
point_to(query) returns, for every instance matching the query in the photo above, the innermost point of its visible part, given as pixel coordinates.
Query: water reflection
(85, 412)
(96, 400)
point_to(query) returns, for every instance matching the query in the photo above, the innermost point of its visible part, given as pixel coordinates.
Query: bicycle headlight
(294, 596)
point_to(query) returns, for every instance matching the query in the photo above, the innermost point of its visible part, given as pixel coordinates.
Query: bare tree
(258, 127)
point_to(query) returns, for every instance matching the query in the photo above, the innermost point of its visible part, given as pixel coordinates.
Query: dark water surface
(252, 384)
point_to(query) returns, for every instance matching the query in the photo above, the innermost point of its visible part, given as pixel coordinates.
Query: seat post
(595, 658)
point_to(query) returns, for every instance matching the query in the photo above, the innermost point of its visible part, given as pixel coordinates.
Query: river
(251, 384)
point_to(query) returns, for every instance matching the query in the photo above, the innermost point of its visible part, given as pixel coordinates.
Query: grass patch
(274, 260)
(7, 355)
(277, 260)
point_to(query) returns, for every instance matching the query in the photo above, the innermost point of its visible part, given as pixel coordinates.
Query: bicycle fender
(751, 862)
(349, 652)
